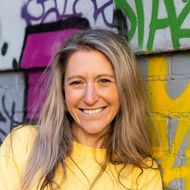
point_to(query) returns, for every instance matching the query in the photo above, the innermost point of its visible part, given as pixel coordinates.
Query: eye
(76, 83)
(104, 81)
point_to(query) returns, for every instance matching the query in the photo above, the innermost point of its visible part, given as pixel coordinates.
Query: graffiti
(37, 87)
(173, 21)
(40, 44)
(4, 49)
(120, 22)
(42, 41)
(11, 34)
(53, 10)
(174, 148)
(2, 118)
(153, 23)
(101, 10)
(15, 64)
(135, 20)
(12, 99)
(8, 116)
(31, 34)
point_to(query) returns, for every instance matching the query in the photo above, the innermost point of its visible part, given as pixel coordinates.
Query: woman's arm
(9, 171)
(151, 179)
(13, 155)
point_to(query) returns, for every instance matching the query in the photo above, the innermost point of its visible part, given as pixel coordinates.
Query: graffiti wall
(156, 25)
(168, 87)
(159, 33)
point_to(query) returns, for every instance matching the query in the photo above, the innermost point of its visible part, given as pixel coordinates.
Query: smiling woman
(92, 133)
(91, 95)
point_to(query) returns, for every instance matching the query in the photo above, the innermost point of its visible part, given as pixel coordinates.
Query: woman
(92, 133)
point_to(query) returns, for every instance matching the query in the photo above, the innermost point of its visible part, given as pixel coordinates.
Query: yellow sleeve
(13, 155)
(9, 170)
(152, 179)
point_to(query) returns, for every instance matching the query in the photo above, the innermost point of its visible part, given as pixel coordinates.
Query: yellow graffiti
(164, 108)
(160, 100)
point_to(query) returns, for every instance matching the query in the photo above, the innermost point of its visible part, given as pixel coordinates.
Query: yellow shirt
(82, 167)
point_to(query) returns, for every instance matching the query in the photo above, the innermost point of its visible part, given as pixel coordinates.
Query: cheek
(114, 95)
(71, 98)
(115, 100)
(70, 105)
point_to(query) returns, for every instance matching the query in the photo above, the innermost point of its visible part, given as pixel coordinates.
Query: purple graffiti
(101, 11)
(68, 9)
(29, 18)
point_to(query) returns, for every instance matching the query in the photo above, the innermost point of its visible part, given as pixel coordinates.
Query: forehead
(89, 62)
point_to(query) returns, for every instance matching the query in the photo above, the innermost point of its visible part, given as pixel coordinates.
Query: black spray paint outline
(10, 116)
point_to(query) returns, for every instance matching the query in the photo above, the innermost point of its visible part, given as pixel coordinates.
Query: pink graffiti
(38, 52)
(36, 93)
(40, 47)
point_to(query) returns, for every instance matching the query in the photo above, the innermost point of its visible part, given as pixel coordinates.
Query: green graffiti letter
(125, 7)
(172, 21)
(140, 20)
(155, 23)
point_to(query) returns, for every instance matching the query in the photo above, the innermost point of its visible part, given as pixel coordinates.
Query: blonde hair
(128, 141)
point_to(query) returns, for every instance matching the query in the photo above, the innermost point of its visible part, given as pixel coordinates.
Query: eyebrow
(98, 76)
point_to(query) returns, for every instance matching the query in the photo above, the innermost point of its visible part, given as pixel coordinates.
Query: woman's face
(91, 94)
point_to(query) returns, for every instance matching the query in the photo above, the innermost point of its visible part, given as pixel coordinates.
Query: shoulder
(18, 143)
(151, 176)
(24, 132)
(21, 135)
(148, 177)
(150, 163)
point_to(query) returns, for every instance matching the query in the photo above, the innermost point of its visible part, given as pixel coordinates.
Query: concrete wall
(159, 32)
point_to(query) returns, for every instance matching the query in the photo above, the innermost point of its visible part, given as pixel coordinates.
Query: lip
(93, 111)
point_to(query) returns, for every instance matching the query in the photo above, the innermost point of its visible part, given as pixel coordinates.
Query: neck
(92, 142)
(88, 139)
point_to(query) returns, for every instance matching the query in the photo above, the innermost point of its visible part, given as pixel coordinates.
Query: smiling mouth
(93, 111)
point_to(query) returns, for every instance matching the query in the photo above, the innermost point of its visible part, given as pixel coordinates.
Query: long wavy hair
(127, 142)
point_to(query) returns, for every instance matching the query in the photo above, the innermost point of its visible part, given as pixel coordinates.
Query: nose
(90, 94)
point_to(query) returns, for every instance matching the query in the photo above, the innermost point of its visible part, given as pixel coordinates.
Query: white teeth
(93, 111)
